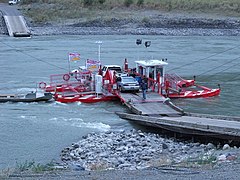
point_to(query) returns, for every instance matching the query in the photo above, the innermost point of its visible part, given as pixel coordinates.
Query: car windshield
(128, 79)
(118, 69)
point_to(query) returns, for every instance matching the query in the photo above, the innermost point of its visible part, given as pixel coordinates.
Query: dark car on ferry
(127, 83)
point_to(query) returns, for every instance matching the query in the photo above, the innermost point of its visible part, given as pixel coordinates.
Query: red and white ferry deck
(84, 86)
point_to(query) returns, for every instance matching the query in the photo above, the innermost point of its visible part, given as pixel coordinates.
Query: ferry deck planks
(154, 104)
(158, 111)
(218, 128)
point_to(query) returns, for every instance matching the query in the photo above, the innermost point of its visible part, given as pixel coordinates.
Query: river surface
(39, 131)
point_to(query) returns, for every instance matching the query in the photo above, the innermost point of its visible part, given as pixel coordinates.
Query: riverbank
(137, 150)
(136, 155)
(154, 23)
(230, 171)
(149, 22)
(69, 30)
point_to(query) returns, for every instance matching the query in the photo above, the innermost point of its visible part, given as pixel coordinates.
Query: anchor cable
(204, 58)
(226, 70)
(236, 77)
(33, 56)
(218, 66)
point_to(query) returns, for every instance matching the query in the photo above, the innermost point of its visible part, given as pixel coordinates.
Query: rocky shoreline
(68, 30)
(156, 24)
(136, 150)
(139, 155)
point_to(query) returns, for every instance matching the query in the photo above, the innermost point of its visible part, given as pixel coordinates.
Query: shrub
(28, 1)
(145, 20)
(128, 3)
(25, 166)
(101, 1)
(140, 2)
(32, 166)
(88, 2)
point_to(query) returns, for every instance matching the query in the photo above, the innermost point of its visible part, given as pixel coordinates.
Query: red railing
(57, 80)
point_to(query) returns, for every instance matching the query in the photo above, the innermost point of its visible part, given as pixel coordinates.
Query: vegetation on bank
(42, 11)
(29, 167)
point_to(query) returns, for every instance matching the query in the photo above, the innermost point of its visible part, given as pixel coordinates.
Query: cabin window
(160, 70)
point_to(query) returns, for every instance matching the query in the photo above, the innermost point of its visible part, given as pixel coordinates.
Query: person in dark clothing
(144, 87)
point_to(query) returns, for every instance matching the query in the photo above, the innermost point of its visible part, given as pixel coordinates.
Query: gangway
(16, 26)
(154, 105)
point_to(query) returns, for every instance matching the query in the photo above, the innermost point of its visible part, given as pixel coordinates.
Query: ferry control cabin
(154, 71)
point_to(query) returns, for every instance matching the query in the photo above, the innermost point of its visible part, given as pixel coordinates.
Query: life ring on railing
(42, 85)
(66, 77)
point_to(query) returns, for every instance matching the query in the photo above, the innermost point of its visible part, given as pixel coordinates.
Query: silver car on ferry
(127, 83)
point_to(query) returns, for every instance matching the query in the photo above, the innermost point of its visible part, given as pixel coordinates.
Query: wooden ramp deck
(157, 111)
(154, 105)
(189, 125)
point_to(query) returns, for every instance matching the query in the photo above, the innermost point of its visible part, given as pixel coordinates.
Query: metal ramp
(228, 129)
(16, 26)
(154, 105)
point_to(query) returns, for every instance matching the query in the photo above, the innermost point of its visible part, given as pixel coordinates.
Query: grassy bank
(57, 10)
(52, 10)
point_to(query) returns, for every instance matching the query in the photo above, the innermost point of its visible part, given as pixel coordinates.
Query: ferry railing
(77, 88)
(154, 86)
(68, 78)
(173, 80)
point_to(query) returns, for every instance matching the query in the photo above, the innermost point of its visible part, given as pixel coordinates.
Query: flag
(74, 56)
(93, 65)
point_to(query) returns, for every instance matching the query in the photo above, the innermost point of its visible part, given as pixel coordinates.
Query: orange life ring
(42, 85)
(66, 77)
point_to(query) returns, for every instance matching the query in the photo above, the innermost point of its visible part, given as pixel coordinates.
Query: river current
(39, 131)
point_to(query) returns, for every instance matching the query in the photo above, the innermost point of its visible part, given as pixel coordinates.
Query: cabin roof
(153, 62)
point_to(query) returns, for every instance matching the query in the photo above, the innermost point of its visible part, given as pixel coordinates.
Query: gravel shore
(136, 150)
(69, 30)
(154, 23)
(147, 22)
(138, 155)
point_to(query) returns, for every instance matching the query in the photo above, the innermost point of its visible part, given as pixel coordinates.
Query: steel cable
(33, 56)
(218, 66)
(226, 70)
(204, 58)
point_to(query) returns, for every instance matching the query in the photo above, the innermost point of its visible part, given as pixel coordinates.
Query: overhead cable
(51, 64)
(204, 58)
(218, 66)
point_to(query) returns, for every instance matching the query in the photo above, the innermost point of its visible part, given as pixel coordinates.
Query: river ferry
(88, 87)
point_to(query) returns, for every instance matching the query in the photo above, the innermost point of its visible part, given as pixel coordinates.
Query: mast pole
(99, 49)
(69, 62)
